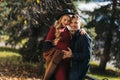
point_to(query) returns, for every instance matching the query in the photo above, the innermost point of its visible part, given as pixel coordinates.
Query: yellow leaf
(25, 22)
(38, 1)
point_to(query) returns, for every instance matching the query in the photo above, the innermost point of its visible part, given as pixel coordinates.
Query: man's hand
(67, 54)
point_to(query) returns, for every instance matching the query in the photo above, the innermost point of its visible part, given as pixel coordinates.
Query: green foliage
(107, 31)
(31, 20)
(4, 11)
(91, 32)
(83, 0)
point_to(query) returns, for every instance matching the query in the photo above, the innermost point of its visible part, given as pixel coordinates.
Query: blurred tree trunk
(107, 48)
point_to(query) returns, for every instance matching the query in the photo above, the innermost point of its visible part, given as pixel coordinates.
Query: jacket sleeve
(51, 34)
(84, 46)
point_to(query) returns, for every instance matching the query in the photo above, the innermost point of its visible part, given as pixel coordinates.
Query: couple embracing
(67, 49)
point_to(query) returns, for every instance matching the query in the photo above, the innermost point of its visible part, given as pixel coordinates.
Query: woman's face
(74, 24)
(65, 20)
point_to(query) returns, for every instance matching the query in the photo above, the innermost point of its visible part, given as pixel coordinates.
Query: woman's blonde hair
(57, 26)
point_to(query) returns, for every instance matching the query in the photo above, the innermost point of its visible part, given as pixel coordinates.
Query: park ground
(12, 68)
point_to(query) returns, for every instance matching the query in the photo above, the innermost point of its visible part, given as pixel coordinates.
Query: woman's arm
(51, 34)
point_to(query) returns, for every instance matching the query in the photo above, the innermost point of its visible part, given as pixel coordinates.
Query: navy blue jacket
(82, 49)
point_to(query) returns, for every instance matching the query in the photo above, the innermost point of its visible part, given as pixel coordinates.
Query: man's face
(74, 24)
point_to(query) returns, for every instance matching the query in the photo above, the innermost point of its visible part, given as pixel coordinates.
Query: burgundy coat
(63, 44)
(64, 41)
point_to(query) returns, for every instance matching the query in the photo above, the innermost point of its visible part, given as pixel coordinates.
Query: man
(80, 52)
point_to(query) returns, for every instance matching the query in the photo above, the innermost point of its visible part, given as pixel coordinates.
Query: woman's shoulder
(52, 28)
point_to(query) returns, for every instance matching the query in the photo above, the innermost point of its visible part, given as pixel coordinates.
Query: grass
(10, 58)
(13, 68)
(8, 52)
(12, 55)
(100, 77)
(109, 74)
(8, 55)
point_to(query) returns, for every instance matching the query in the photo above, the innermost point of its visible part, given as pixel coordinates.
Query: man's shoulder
(85, 37)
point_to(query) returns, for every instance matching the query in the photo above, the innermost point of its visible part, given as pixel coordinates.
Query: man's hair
(75, 16)
(78, 19)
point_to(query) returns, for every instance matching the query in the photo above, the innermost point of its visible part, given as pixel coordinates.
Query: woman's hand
(67, 54)
(82, 31)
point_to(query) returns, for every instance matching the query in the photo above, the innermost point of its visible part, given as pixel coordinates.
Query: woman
(61, 37)
(80, 51)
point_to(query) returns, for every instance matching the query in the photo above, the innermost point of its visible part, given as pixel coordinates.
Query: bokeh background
(24, 25)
